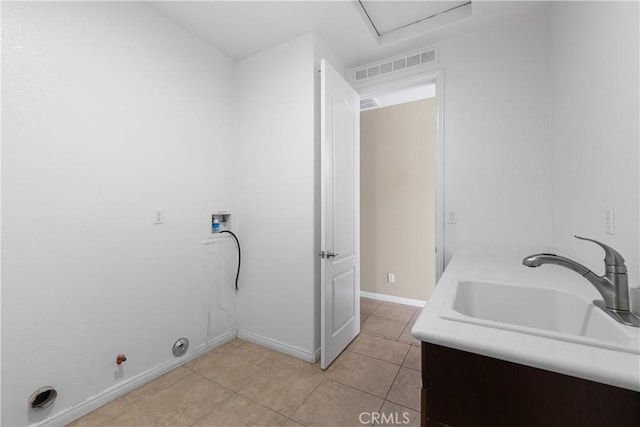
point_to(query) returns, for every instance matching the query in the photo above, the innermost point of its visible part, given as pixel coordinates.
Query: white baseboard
(279, 346)
(391, 298)
(109, 395)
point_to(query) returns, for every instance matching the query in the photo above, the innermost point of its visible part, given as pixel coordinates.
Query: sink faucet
(613, 285)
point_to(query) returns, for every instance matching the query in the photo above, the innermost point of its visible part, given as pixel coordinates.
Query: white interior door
(340, 214)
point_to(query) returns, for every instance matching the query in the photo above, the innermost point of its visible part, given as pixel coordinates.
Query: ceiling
(243, 28)
(388, 16)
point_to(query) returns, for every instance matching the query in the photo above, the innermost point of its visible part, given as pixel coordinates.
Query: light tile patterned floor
(243, 384)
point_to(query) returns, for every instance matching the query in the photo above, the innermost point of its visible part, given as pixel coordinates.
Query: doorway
(399, 194)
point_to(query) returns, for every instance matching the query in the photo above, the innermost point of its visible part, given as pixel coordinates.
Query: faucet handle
(612, 257)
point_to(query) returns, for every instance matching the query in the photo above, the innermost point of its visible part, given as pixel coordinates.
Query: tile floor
(243, 384)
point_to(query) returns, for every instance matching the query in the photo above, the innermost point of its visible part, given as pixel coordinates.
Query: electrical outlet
(451, 217)
(391, 278)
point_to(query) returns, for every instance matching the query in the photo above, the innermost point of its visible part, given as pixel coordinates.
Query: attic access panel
(411, 17)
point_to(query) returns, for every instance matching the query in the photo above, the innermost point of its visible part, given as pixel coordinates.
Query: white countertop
(608, 366)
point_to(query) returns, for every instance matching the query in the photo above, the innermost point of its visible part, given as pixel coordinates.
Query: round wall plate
(180, 347)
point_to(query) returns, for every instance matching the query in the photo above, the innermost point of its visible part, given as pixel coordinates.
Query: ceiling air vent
(412, 60)
(366, 103)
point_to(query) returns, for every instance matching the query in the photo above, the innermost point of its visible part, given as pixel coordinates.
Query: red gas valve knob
(121, 358)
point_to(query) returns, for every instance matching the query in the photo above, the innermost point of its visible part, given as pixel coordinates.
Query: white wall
(278, 193)
(497, 145)
(276, 196)
(594, 123)
(109, 111)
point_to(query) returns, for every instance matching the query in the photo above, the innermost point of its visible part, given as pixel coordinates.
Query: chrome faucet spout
(539, 259)
(613, 285)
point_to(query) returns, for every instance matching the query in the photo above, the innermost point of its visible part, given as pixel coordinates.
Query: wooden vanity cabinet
(463, 389)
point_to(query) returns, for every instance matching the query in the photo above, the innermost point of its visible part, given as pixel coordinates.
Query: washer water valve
(121, 358)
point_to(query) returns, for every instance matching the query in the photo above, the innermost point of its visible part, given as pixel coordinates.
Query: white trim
(425, 77)
(365, 18)
(391, 298)
(415, 29)
(426, 25)
(279, 346)
(439, 174)
(109, 395)
(414, 76)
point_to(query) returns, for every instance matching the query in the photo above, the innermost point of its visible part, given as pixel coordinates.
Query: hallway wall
(398, 199)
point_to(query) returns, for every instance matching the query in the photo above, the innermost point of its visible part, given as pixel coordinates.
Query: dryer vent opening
(43, 398)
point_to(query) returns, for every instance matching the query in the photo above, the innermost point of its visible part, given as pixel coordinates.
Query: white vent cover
(366, 103)
(412, 60)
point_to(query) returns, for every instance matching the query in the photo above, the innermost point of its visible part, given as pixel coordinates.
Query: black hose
(239, 255)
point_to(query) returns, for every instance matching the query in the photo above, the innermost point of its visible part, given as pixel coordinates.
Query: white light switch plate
(610, 220)
(158, 217)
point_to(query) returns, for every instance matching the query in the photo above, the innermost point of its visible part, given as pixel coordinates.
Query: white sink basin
(538, 311)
